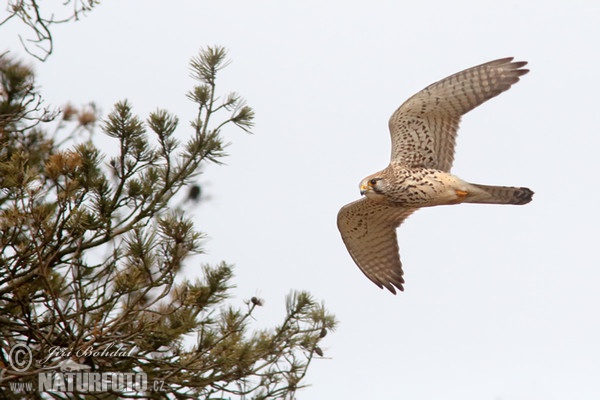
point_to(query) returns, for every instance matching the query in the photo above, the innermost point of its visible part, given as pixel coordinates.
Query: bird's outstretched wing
(368, 229)
(423, 129)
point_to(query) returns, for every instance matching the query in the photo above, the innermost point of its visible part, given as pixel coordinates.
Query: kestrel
(423, 132)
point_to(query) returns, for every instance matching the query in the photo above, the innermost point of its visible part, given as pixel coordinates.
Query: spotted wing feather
(368, 230)
(423, 129)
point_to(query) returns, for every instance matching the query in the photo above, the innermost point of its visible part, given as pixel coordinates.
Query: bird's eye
(373, 182)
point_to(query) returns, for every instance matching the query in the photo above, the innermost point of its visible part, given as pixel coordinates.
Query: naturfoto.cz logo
(69, 376)
(92, 382)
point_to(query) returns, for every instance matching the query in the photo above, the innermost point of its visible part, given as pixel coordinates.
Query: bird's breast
(424, 187)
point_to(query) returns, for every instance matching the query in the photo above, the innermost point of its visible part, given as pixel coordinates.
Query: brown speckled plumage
(423, 132)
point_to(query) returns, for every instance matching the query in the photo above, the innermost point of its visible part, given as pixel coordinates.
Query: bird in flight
(423, 132)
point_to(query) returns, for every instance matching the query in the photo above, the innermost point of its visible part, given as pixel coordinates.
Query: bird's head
(374, 186)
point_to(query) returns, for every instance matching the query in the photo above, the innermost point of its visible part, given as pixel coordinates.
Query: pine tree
(92, 246)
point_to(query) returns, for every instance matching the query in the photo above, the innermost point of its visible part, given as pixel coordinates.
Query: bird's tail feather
(499, 195)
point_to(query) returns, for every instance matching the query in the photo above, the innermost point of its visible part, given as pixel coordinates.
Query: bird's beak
(363, 189)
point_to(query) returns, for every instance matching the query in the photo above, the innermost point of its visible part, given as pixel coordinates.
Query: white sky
(501, 302)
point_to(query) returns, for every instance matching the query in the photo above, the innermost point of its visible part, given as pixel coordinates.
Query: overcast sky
(501, 302)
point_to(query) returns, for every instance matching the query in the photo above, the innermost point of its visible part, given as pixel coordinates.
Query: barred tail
(499, 195)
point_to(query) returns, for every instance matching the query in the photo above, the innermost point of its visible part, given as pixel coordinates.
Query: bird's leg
(461, 195)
